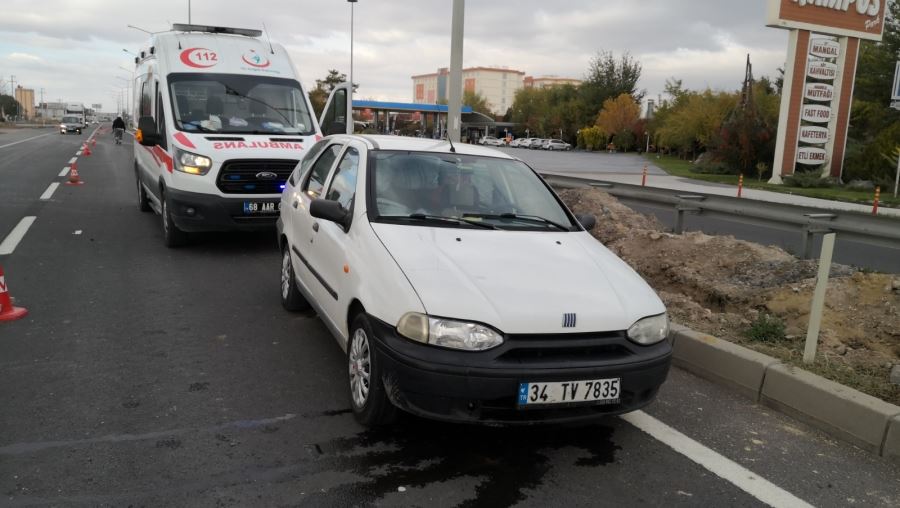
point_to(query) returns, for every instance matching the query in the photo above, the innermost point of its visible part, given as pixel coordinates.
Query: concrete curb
(843, 412)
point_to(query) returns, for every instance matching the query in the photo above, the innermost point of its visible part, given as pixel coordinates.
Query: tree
(477, 102)
(609, 77)
(691, 121)
(9, 106)
(318, 96)
(619, 117)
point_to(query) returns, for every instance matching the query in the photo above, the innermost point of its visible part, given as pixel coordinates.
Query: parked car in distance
(520, 142)
(558, 144)
(462, 289)
(490, 141)
(536, 143)
(545, 144)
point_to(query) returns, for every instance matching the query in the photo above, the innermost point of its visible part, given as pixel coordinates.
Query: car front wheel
(368, 398)
(173, 236)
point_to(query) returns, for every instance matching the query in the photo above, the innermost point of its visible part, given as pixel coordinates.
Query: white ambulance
(222, 122)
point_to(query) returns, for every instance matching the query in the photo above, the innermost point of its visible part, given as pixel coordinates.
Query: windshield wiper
(441, 218)
(524, 218)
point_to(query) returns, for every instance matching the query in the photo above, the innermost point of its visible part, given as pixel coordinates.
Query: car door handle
(316, 227)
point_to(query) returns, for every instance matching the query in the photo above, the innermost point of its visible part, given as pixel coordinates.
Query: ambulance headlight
(191, 163)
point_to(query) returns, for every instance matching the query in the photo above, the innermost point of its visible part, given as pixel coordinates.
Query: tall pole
(189, 12)
(12, 86)
(454, 104)
(350, 91)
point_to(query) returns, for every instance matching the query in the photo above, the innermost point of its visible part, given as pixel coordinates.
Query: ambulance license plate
(261, 207)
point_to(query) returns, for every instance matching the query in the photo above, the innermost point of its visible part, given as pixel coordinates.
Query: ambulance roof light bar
(249, 32)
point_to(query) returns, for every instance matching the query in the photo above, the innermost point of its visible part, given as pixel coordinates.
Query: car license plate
(255, 207)
(598, 391)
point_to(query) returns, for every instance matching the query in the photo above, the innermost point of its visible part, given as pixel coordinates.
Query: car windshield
(454, 190)
(239, 104)
(70, 119)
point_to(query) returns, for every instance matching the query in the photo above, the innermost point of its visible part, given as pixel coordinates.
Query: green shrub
(766, 328)
(808, 180)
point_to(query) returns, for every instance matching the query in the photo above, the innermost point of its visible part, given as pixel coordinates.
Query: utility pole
(12, 87)
(43, 108)
(454, 103)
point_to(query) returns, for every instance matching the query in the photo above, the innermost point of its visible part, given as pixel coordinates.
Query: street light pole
(454, 103)
(350, 126)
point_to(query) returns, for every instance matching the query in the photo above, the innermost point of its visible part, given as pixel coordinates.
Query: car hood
(519, 281)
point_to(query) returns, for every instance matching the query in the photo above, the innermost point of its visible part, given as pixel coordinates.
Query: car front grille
(577, 349)
(249, 176)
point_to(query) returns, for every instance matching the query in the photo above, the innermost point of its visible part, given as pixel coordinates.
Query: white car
(520, 142)
(462, 289)
(491, 141)
(558, 144)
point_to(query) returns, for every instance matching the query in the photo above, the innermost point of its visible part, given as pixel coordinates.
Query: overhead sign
(824, 48)
(96, 107)
(821, 92)
(816, 113)
(814, 135)
(851, 18)
(821, 70)
(811, 155)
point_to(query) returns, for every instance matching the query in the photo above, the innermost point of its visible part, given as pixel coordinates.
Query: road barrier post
(644, 177)
(740, 184)
(818, 301)
(684, 206)
(875, 204)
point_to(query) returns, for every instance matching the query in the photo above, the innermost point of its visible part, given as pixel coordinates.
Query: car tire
(291, 297)
(368, 397)
(143, 202)
(172, 236)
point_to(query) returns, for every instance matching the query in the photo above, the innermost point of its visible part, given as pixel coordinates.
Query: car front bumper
(482, 387)
(216, 213)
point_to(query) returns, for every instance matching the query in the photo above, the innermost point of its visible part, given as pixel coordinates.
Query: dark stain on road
(505, 462)
(198, 387)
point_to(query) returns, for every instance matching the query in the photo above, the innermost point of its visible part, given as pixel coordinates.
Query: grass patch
(766, 328)
(677, 167)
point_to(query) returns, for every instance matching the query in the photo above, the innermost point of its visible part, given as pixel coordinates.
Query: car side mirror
(330, 210)
(146, 133)
(587, 221)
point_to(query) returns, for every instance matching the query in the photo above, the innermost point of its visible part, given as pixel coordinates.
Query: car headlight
(650, 330)
(191, 163)
(448, 333)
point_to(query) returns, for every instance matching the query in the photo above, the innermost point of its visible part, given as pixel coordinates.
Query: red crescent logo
(186, 58)
(265, 60)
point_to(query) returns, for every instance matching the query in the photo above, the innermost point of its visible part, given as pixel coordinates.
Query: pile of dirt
(721, 286)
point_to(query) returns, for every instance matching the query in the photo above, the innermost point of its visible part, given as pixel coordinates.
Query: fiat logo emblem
(266, 175)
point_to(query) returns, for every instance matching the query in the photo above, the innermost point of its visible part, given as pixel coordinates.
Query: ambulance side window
(161, 119)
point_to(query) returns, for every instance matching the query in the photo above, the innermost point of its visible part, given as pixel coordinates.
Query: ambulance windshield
(239, 104)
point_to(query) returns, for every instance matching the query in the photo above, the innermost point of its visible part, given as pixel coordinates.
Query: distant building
(25, 96)
(52, 110)
(498, 86)
(545, 81)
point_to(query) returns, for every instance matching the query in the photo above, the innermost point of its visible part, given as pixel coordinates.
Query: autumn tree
(618, 118)
(477, 102)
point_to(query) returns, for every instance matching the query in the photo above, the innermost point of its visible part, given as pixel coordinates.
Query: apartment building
(498, 86)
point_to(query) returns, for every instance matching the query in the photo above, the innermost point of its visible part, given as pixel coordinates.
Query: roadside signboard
(896, 94)
(861, 18)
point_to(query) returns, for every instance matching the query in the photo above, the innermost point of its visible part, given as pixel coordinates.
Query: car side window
(315, 182)
(307, 161)
(343, 184)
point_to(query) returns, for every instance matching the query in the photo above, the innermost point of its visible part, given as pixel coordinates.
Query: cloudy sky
(73, 50)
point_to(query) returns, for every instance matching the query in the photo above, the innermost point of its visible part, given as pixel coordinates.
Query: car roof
(384, 142)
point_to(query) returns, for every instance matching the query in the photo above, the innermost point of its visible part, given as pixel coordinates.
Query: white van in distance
(222, 122)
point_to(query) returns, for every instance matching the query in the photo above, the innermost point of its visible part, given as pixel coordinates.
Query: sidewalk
(666, 181)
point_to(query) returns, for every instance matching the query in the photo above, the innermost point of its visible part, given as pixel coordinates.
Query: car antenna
(452, 150)
(266, 30)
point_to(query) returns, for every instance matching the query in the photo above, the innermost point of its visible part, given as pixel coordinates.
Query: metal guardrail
(807, 221)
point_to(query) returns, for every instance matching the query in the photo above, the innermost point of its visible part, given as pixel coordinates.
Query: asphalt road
(154, 377)
(602, 166)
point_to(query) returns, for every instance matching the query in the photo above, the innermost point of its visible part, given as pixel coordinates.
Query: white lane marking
(77, 232)
(23, 140)
(64, 172)
(721, 466)
(15, 236)
(49, 192)
(72, 160)
(78, 152)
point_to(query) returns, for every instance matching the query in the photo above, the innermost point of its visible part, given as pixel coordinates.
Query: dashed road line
(718, 464)
(49, 192)
(72, 160)
(78, 152)
(64, 172)
(15, 236)
(23, 140)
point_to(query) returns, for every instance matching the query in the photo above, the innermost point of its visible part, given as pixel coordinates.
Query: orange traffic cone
(86, 150)
(73, 175)
(7, 311)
